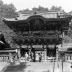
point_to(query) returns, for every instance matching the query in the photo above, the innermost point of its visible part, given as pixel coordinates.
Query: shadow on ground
(16, 68)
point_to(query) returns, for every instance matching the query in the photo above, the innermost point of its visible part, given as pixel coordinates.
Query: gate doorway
(51, 51)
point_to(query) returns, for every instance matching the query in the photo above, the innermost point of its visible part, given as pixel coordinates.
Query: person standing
(26, 57)
(40, 57)
(32, 56)
(37, 57)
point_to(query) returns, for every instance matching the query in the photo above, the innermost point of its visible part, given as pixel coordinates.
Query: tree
(57, 9)
(25, 11)
(1, 2)
(54, 8)
(7, 10)
(40, 9)
(34, 9)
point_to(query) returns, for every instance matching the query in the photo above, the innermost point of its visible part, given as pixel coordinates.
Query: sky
(23, 4)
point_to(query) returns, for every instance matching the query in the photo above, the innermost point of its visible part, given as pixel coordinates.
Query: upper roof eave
(45, 19)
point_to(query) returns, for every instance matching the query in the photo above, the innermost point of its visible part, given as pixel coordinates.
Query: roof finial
(35, 12)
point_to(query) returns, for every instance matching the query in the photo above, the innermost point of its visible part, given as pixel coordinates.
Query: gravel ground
(3, 65)
(37, 67)
(48, 67)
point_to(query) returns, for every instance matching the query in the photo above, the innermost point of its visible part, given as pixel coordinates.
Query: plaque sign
(24, 46)
(51, 46)
(37, 46)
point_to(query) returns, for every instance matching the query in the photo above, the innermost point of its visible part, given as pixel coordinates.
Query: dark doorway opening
(23, 51)
(51, 52)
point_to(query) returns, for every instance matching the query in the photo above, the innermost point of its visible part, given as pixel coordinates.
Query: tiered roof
(45, 19)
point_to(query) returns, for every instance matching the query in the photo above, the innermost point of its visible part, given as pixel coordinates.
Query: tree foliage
(43, 9)
(54, 8)
(7, 10)
(35, 9)
(40, 9)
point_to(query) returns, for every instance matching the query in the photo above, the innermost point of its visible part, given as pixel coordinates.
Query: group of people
(33, 57)
(38, 57)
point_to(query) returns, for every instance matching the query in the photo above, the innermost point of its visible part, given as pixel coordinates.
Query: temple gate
(41, 32)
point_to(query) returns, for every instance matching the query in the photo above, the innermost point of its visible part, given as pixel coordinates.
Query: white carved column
(45, 53)
(10, 57)
(19, 54)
